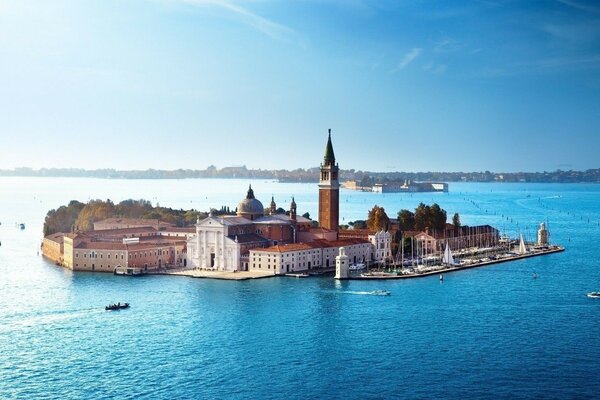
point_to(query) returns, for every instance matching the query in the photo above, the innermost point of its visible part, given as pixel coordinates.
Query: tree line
(424, 217)
(78, 216)
(365, 178)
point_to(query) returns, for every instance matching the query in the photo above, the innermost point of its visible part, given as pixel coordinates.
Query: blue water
(482, 333)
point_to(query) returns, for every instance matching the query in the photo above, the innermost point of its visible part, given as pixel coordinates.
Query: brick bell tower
(329, 190)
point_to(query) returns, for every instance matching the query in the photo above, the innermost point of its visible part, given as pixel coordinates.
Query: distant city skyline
(404, 86)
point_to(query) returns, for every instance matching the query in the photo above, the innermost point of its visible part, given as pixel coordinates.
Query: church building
(281, 243)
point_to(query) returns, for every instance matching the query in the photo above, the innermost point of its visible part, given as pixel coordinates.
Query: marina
(437, 269)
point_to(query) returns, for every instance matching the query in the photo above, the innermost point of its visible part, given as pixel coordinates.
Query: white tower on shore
(542, 235)
(341, 265)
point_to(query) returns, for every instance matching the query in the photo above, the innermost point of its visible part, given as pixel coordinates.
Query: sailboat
(448, 259)
(522, 247)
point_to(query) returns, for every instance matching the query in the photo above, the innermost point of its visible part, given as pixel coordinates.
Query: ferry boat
(594, 295)
(115, 307)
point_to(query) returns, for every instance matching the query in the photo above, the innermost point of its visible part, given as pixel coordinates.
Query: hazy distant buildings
(410, 187)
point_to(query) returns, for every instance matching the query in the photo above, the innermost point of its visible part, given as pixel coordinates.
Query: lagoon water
(486, 332)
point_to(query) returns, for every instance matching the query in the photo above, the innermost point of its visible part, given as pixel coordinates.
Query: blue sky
(404, 85)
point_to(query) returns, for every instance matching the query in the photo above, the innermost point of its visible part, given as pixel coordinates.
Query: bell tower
(329, 190)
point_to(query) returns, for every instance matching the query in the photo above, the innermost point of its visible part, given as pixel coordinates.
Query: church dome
(250, 207)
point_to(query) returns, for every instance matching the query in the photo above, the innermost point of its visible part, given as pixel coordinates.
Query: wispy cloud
(434, 68)
(262, 24)
(409, 57)
(581, 7)
(446, 45)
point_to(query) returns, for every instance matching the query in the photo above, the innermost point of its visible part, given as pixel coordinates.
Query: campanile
(329, 190)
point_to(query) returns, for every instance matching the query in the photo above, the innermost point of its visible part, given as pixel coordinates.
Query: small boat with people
(380, 293)
(594, 295)
(117, 306)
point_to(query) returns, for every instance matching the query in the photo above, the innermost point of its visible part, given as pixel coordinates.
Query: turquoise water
(486, 332)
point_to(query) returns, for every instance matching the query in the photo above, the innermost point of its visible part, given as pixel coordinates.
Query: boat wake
(371, 293)
(47, 318)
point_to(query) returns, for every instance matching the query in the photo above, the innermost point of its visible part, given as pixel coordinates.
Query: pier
(445, 269)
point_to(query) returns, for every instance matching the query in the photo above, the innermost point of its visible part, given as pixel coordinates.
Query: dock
(442, 270)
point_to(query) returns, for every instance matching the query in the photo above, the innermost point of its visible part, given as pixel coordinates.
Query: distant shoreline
(311, 175)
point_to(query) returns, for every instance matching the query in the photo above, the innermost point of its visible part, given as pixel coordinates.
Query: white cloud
(409, 57)
(435, 69)
(446, 45)
(264, 25)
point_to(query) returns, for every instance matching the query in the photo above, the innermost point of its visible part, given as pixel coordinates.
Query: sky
(411, 85)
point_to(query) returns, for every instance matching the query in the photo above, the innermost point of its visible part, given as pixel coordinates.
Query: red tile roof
(57, 237)
(289, 247)
(340, 242)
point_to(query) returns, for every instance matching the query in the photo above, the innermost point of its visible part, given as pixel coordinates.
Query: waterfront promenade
(206, 274)
(371, 275)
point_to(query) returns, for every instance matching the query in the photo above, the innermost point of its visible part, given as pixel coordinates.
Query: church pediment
(211, 222)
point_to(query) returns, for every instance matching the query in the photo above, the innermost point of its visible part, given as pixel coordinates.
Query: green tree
(422, 214)
(62, 219)
(432, 217)
(456, 220)
(358, 224)
(133, 208)
(94, 210)
(378, 219)
(437, 217)
(306, 215)
(406, 220)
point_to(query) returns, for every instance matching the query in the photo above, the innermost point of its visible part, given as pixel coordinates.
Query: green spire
(329, 156)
